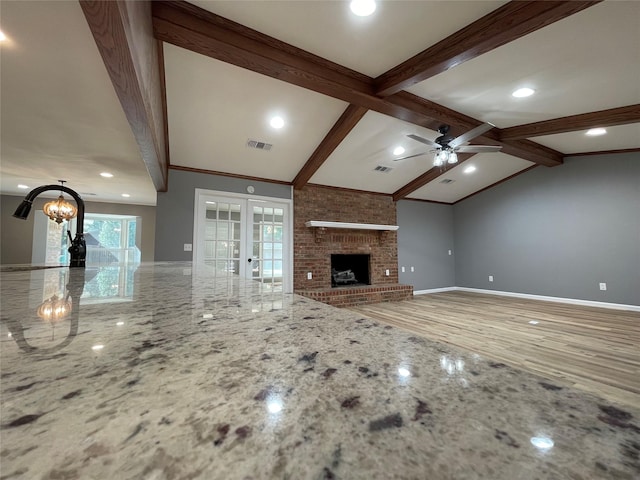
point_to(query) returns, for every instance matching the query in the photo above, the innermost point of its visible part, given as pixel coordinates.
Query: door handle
(249, 260)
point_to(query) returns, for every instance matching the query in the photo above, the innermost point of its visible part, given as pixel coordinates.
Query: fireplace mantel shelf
(360, 226)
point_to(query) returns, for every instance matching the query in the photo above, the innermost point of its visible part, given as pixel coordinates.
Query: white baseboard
(434, 290)
(573, 301)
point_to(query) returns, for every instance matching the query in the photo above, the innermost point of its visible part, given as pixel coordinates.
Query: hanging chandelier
(60, 210)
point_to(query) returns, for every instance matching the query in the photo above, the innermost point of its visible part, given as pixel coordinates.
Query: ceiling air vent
(382, 169)
(259, 145)
(447, 180)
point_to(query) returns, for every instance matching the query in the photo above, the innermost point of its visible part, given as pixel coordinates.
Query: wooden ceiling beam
(123, 33)
(201, 31)
(505, 24)
(349, 119)
(584, 121)
(428, 176)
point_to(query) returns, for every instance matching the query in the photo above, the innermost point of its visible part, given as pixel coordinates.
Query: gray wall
(16, 236)
(425, 237)
(174, 226)
(556, 231)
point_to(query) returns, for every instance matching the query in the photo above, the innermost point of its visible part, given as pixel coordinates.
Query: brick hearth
(313, 246)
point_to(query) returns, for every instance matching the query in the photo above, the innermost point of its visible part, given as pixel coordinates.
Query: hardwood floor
(594, 349)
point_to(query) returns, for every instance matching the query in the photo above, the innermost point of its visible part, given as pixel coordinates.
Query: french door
(244, 235)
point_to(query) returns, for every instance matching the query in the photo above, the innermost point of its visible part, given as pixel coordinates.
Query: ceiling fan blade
(423, 140)
(478, 148)
(410, 156)
(471, 134)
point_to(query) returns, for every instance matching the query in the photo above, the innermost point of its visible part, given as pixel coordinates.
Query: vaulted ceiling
(132, 88)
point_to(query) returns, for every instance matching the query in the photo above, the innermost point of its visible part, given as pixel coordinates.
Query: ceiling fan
(446, 147)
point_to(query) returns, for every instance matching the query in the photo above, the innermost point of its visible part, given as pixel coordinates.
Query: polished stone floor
(160, 371)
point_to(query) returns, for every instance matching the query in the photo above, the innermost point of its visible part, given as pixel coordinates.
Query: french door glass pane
(268, 245)
(222, 236)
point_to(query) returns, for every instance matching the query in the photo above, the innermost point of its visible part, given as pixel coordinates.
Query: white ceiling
(61, 117)
(214, 108)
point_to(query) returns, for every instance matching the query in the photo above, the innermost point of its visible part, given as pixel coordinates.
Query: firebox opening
(350, 270)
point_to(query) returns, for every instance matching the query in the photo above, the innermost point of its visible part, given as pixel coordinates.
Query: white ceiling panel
(587, 62)
(616, 138)
(61, 118)
(490, 168)
(214, 108)
(369, 145)
(371, 45)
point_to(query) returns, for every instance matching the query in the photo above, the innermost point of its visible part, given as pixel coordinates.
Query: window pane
(221, 266)
(277, 268)
(235, 249)
(235, 266)
(277, 233)
(267, 232)
(223, 231)
(221, 249)
(131, 238)
(236, 231)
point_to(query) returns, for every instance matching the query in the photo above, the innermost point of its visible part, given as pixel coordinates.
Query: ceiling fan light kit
(446, 147)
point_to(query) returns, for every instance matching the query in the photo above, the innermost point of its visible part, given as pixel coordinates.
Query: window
(109, 239)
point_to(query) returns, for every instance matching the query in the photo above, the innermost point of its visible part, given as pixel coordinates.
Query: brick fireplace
(313, 246)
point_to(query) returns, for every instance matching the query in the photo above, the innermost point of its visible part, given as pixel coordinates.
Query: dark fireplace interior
(350, 270)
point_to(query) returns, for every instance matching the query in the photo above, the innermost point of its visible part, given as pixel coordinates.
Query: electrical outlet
(386, 272)
(413, 269)
(402, 269)
(188, 247)
(309, 275)
(491, 278)
(449, 252)
(603, 286)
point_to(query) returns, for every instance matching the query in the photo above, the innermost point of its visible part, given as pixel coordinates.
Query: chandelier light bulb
(59, 210)
(453, 158)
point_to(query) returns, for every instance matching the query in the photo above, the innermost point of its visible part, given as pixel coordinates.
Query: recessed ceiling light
(594, 132)
(523, 92)
(24, 187)
(277, 122)
(470, 169)
(3, 37)
(126, 195)
(398, 150)
(363, 8)
(106, 174)
(97, 347)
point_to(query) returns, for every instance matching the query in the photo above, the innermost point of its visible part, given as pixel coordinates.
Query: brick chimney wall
(313, 246)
